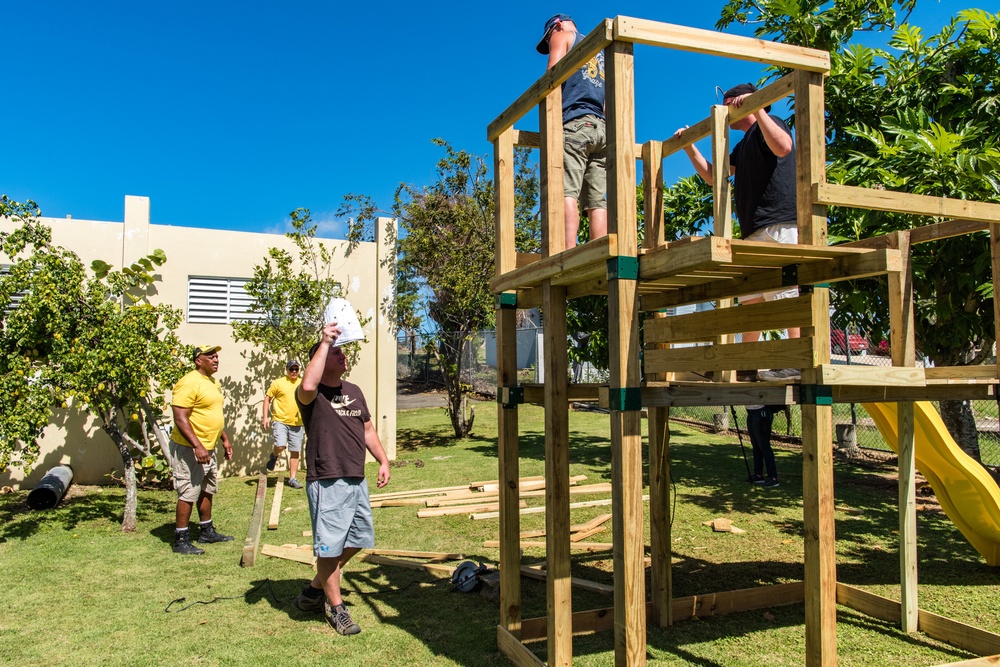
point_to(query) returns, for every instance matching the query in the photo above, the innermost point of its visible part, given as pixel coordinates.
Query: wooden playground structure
(719, 268)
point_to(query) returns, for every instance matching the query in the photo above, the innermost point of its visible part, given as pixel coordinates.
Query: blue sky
(231, 114)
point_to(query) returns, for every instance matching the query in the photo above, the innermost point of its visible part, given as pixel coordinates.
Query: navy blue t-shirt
(583, 91)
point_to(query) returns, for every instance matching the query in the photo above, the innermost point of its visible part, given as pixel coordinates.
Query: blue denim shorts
(341, 515)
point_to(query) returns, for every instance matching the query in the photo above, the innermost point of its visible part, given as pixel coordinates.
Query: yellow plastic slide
(967, 493)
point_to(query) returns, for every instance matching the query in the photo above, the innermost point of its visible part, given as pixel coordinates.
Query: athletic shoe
(340, 619)
(771, 482)
(294, 483)
(780, 374)
(210, 535)
(757, 479)
(271, 461)
(182, 545)
(305, 603)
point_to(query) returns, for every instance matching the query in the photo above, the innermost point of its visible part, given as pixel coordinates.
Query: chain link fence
(416, 364)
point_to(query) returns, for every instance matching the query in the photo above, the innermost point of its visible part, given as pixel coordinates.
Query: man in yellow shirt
(198, 426)
(286, 423)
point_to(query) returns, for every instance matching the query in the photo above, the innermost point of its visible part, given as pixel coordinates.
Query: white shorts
(779, 232)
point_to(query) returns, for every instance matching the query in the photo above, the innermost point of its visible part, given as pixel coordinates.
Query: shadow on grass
(19, 522)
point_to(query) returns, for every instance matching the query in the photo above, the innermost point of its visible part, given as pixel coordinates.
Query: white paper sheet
(342, 312)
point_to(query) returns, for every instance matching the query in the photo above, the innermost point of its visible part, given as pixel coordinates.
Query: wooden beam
(985, 661)
(849, 196)
(288, 553)
(431, 568)
(946, 230)
(861, 375)
(279, 489)
(703, 326)
(462, 509)
(578, 56)
(786, 353)
(542, 544)
(720, 44)
(256, 519)
(541, 510)
(402, 553)
(508, 463)
(562, 268)
(537, 572)
(515, 651)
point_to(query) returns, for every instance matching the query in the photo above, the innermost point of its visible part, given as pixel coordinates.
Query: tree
(87, 341)
(919, 118)
(290, 294)
(446, 251)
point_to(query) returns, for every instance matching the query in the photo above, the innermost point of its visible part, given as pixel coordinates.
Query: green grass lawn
(79, 592)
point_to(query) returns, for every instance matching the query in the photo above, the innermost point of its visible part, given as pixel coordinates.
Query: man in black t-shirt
(763, 166)
(340, 431)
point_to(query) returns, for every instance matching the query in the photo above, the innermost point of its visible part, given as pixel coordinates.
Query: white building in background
(204, 276)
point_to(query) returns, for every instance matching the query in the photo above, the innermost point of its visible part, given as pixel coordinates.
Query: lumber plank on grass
(537, 544)
(279, 488)
(256, 519)
(494, 482)
(462, 509)
(540, 510)
(584, 534)
(537, 572)
(515, 651)
(431, 568)
(401, 553)
(288, 553)
(985, 661)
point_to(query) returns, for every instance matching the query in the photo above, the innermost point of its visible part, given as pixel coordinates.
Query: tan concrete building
(204, 276)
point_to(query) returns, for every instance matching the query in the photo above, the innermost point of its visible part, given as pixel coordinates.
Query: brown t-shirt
(335, 427)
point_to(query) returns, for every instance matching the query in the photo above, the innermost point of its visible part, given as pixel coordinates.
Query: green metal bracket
(506, 300)
(625, 398)
(816, 394)
(623, 267)
(510, 397)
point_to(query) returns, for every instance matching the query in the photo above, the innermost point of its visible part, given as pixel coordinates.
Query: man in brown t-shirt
(340, 430)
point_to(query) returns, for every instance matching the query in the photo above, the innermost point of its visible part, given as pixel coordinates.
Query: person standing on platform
(584, 136)
(286, 423)
(763, 164)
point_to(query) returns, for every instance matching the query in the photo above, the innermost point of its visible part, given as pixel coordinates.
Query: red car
(838, 343)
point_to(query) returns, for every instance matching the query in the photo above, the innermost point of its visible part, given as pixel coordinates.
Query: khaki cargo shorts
(191, 479)
(584, 155)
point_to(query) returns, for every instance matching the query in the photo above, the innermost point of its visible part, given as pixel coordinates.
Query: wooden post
(558, 583)
(658, 428)
(507, 442)
(256, 519)
(904, 354)
(817, 419)
(722, 209)
(626, 434)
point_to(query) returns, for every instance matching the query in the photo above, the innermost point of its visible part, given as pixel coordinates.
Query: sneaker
(305, 603)
(771, 482)
(210, 535)
(757, 479)
(780, 374)
(340, 619)
(294, 483)
(271, 461)
(182, 545)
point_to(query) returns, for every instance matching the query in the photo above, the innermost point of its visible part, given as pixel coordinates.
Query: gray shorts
(585, 151)
(191, 479)
(287, 436)
(341, 515)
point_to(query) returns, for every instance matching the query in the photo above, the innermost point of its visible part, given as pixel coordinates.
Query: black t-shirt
(765, 183)
(335, 425)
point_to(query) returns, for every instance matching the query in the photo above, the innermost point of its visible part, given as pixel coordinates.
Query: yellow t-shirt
(204, 396)
(285, 409)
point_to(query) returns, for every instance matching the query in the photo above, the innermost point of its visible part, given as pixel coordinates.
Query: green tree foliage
(89, 341)
(446, 251)
(291, 294)
(919, 117)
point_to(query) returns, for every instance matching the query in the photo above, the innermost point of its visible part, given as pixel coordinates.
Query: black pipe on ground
(51, 489)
